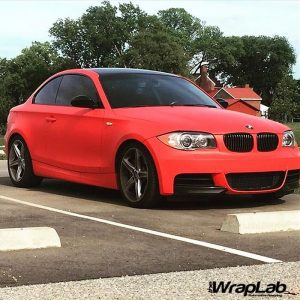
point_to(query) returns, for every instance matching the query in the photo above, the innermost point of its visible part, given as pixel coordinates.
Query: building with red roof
(239, 99)
(214, 92)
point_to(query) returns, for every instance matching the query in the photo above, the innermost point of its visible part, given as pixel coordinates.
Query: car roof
(107, 71)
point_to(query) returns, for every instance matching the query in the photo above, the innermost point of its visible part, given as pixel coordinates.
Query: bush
(2, 129)
(5, 106)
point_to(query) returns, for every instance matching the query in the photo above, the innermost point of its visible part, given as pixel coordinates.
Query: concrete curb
(261, 222)
(28, 238)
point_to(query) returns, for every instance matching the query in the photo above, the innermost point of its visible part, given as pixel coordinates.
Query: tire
(137, 178)
(20, 165)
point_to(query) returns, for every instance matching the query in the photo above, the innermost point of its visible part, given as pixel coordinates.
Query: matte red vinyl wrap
(81, 145)
(171, 162)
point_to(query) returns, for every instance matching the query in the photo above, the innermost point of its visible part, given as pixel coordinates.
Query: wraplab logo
(253, 289)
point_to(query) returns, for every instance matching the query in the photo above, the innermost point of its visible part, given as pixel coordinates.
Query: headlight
(188, 140)
(288, 139)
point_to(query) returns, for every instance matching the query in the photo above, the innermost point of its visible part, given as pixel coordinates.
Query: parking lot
(102, 237)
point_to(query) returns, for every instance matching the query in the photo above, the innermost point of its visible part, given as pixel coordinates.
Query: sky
(24, 21)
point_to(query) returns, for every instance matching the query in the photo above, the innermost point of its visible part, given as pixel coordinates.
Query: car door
(39, 117)
(74, 135)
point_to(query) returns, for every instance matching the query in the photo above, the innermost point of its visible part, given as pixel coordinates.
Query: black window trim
(100, 102)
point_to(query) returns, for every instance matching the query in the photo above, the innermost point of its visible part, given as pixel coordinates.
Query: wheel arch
(124, 144)
(21, 134)
(17, 134)
(14, 135)
(26, 177)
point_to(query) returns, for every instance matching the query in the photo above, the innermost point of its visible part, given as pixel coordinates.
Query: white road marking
(148, 231)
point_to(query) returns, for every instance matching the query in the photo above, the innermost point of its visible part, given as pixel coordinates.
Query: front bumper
(171, 163)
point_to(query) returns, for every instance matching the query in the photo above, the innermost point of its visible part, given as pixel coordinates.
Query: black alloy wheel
(20, 164)
(137, 177)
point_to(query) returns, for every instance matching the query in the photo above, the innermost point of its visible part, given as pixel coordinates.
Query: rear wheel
(20, 164)
(137, 177)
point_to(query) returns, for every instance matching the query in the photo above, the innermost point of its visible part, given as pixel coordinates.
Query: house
(239, 99)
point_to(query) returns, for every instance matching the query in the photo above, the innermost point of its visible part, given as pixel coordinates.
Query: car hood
(217, 121)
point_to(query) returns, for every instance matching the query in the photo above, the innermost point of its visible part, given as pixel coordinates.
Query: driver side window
(73, 86)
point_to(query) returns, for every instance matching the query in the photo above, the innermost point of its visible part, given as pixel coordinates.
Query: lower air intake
(255, 181)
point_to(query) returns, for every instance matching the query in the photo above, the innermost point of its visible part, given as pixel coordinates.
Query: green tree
(225, 58)
(133, 20)
(101, 36)
(10, 86)
(154, 48)
(122, 36)
(68, 40)
(23, 74)
(183, 27)
(5, 106)
(207, 47)
(5, 101)
(36, 63)
(202, 42)
(199, 41)
(172, 41)
(263, 62)
(286, 102)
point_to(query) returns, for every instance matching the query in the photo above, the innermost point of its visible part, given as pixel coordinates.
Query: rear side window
(48, 92)
(73, 86)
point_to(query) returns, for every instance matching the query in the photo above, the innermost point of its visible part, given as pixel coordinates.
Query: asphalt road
(92, 250)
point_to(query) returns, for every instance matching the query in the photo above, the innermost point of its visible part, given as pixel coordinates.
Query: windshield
(134, 90)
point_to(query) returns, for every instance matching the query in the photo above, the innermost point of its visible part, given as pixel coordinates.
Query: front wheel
(137, 178)
(20, 164)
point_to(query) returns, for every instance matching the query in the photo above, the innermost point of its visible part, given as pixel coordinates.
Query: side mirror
(83, 101)
(222, 102)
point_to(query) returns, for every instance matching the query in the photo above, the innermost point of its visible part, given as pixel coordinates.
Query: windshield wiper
(190, 104)
(174, 103)
(138, 105)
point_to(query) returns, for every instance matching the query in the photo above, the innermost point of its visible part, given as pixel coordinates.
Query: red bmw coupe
(148, 134)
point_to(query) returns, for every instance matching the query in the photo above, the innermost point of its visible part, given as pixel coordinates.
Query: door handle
(50, 119)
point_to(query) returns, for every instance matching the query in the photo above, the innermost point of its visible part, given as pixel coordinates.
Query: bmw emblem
(249, 126)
